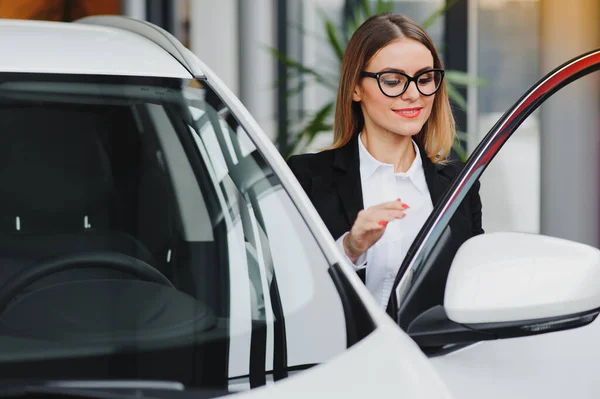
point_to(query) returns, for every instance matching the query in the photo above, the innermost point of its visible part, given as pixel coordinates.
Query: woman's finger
(388, 214)
(380, 222)
(398, 204)
(378, 219)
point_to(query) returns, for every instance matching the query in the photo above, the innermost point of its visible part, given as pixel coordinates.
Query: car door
(550, 365)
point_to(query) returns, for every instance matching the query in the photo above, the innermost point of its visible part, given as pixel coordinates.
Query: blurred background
(281, 57)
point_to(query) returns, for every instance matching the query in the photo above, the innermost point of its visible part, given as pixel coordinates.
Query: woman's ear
(357, 94)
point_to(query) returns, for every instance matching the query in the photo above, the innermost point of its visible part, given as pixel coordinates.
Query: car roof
(77, 48)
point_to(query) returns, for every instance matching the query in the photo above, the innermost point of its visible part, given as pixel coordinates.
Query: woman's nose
(411, 92)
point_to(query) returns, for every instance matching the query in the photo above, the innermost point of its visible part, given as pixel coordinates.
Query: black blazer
(331, 180)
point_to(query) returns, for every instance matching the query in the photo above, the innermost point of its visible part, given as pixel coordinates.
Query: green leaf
(438, 13)
(463, 79)
(317, 123)
(383, 6)
(288, 62)
(357, 20)
(332, 37)
(460, 151)
(460, 139)
(455, 96)
(313, 127)
(295, 90)
(366, 8)
(351, 27)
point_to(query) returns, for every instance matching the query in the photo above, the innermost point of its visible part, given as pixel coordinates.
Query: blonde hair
(438, 133)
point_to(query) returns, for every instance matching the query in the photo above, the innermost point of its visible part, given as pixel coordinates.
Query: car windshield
(144, 237)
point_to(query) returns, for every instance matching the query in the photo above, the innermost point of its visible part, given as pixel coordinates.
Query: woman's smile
(412, 112)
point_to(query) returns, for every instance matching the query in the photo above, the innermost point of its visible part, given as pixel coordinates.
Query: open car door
(505, 289)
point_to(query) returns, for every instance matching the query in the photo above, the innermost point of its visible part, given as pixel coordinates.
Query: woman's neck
(390, 148)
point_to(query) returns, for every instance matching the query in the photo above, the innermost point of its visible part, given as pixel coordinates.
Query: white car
(154, 243)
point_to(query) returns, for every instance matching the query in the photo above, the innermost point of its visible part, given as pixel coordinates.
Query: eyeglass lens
(393, 84)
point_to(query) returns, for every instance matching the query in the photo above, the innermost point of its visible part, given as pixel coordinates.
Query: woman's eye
(425, 81)
(391, 82)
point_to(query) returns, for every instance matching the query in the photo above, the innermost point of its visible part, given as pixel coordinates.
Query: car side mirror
(505, 285)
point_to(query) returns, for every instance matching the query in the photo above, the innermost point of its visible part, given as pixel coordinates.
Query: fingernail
(382, 223)
(405, 206)
(399, 200)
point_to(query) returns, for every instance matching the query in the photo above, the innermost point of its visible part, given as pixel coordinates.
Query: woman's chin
(406, 132)
(407, 128)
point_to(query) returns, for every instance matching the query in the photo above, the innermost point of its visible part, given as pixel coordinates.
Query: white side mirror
(510, 277)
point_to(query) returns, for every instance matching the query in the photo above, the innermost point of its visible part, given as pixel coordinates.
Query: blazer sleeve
(295, 163)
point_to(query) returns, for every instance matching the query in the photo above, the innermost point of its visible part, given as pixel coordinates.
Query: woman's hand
(370, 225)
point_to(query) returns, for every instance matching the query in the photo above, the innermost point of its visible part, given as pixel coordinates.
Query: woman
(389, 165)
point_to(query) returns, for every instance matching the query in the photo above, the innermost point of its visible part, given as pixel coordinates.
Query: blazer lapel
(349, 186)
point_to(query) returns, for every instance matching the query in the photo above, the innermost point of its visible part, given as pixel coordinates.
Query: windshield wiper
(119, 384)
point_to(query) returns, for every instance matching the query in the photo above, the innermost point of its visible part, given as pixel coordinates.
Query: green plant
(337, 38)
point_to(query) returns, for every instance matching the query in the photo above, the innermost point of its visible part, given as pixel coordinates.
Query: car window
(142, 230)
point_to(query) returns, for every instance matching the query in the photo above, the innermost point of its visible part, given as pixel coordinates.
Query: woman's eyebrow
(403, 71)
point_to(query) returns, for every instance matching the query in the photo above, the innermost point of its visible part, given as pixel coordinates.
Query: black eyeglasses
(395, 83)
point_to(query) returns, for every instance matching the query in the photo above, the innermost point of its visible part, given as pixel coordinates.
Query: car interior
(93, 247)
(86, 179)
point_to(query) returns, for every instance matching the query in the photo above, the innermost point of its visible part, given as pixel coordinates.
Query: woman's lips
(408, 112)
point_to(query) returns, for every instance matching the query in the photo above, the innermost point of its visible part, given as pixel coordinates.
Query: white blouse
(381, 184)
